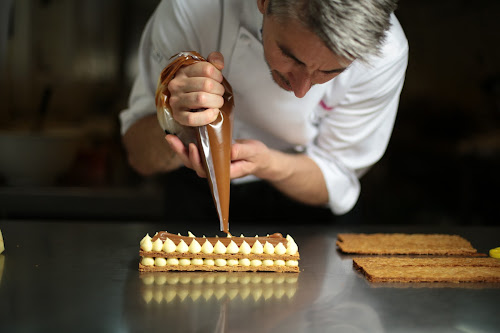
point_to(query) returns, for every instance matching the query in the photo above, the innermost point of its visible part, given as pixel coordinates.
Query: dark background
(441, 166)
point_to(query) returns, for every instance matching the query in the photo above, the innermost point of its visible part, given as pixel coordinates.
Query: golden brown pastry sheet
(404, 244)
(429, 269)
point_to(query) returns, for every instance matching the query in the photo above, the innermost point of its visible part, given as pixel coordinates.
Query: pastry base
(405, 244)
(429, 269)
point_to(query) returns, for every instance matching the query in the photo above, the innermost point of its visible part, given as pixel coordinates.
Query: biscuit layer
(429, 269)
(405, 244)
(206, 268)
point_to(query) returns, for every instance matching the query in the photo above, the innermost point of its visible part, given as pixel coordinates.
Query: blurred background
(66, 69)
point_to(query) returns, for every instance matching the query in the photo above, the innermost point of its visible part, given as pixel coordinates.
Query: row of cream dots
(257, 248)
(160, 262)
(219, 278)
(255, 292)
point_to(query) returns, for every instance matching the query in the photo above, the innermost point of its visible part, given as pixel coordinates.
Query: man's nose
(301, 82)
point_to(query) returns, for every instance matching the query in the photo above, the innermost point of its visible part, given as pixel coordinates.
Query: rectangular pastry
(405, 244)
(429, 269)
(170, 252)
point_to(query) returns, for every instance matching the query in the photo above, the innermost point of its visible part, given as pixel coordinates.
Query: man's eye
(287, 57)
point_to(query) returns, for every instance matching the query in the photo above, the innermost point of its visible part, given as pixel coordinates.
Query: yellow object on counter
(495, 253)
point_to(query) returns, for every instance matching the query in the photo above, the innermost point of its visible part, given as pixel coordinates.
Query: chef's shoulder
(185, 25)
(395, 45)
(382, 72)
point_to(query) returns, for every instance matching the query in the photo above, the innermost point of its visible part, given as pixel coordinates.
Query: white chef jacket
(343, 125)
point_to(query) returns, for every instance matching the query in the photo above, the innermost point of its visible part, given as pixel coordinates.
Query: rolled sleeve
(141, 100)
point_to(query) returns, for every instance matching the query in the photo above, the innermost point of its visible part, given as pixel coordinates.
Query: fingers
(189, 156)
(197, 87)
(177, 146)
(203, 69)
(240, 169)
(249, 157)
(195, 159)
(244, 149)
(196, 100)
(241, 164)
(196, 84)
(216, 59)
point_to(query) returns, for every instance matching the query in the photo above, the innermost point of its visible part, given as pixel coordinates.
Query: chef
(316, 87)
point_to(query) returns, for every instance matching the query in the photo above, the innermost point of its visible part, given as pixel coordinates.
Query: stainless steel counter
(82, 277)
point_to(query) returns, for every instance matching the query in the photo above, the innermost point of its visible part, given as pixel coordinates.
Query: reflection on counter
(166, 287)
(2, 264)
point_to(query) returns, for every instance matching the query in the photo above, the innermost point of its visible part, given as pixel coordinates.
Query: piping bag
(213, 140)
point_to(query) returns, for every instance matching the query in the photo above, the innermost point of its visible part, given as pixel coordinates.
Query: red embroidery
(324, 106)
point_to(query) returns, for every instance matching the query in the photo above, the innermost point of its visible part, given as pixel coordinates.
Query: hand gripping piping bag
(213, 140)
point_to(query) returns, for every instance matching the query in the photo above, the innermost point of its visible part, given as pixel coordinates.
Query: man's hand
(190, 155)
(295, 175)
(248, 157)
(198, 87)
(252, 157)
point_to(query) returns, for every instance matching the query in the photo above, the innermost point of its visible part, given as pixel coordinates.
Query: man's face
(297, 58)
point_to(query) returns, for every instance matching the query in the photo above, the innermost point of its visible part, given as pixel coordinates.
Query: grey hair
(352, 29)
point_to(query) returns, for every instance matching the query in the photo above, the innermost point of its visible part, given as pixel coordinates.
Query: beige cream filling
(161, 262)
(169, 246)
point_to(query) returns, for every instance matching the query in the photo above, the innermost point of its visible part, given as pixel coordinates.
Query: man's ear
(262, 4)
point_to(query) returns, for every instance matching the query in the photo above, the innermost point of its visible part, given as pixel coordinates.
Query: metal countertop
(82, 277)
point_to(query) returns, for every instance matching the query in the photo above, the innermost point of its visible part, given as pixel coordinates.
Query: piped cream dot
(207, 247)
(280, 249)
(219, 248)
(232, 248)
(157, 245)
(194, 247)
(220, 262)
(232, 262)
(169, 246)
(173, 261)
(197, 261)
(146, 244)
(267, 262)
(184, 262)
(257, 248)
(279, 262)
(292, 248)
(208, 262)
(148, 261)
(244, 262)
(182, 247)
(160, 262)
(268, 248)
(245, 248)
(256, 262)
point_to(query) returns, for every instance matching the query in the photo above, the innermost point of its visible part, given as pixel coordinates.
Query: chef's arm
(147, 151)
(295, 175)
(300, 178)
